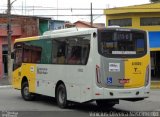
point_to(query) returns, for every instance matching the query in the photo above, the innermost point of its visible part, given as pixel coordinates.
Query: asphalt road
(12, 104)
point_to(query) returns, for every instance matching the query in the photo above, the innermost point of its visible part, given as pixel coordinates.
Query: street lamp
(57, 9)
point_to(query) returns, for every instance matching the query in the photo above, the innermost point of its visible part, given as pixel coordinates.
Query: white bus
(81, 65)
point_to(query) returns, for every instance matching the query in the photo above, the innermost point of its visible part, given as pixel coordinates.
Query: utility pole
(9, 41)
(91, 15)
(57, 9)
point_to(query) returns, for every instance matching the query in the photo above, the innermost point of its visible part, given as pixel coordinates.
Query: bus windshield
(113, 43)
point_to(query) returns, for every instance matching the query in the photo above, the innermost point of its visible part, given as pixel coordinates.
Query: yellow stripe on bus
(29, 70)
(25, 71)
(27, 39)
(135, 71)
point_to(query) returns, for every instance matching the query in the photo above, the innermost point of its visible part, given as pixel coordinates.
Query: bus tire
(26, 95)
(104, 104)
(61, 96)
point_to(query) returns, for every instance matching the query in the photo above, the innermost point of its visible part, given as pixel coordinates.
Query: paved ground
(4, 81)
(11, 101)
(11, 104)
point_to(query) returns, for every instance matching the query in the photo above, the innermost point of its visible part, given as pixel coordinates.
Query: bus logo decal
(137, 71)
(42, 70)
(32, 68)
(114, 67)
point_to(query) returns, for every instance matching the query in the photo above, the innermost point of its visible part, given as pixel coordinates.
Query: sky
(29, 7)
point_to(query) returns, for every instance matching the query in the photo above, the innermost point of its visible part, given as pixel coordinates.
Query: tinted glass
(122, 43)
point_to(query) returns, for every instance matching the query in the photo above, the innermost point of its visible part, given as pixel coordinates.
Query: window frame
(16, 47)
(65, 41)
(124, 20)
(146, 20)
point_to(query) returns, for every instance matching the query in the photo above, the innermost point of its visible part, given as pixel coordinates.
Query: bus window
(41, 51)
(27, 52)
(18, 58)
(85, 53)
(36, 54)
(74, 50)
(31, 54)
(58, 52)
(61, 54)
(18, 50)
(78, 50)
(75, 56)
(122, 43)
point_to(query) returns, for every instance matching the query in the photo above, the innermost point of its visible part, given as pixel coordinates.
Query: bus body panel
(30, 71)
(16, 80)
(124, 73)
(76, 83)
(136, 71)
(81, 80)
(132, 93)
(111, 71)
(25, 71)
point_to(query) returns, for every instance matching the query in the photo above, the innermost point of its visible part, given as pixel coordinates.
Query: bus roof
(54, 32)
(68, 32)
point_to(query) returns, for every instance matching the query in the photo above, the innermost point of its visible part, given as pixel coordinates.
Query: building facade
(145, 17)
(21, 26)
(56, 24)
(84, 24)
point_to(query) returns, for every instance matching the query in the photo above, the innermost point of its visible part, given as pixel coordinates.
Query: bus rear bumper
(128, 94)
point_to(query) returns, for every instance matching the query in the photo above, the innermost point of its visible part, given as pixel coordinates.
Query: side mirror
(12, 55)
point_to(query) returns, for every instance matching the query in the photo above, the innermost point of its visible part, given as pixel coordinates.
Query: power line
(70, 15)
(57, 9)
(61, 15)
(51, 8)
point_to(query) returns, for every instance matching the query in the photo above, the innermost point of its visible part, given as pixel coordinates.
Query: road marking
(6, 86)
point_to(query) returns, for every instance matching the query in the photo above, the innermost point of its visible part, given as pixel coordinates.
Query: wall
(1, 70)
(43, 26)
(54, 25)
(81, 25)
(28, 25)
(21, 27)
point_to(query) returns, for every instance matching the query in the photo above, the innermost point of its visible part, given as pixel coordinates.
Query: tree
(154, 0)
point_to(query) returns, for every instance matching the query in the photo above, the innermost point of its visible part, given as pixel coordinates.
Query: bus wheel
(61, 96)
(104, 104)
(25, 92)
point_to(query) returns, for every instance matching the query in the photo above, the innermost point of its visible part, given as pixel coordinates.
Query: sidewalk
(4, 81)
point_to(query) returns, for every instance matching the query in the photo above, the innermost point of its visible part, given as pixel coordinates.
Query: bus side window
(60, 56)
(71, 50)
(58, 52)
(85, 54)
(78, 54)
(27, 54)
(75, 57)
(18, 58)
(36, 54)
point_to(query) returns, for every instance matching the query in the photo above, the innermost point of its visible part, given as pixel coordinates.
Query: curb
(155, 84)
(155, 87)
(5, 86)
